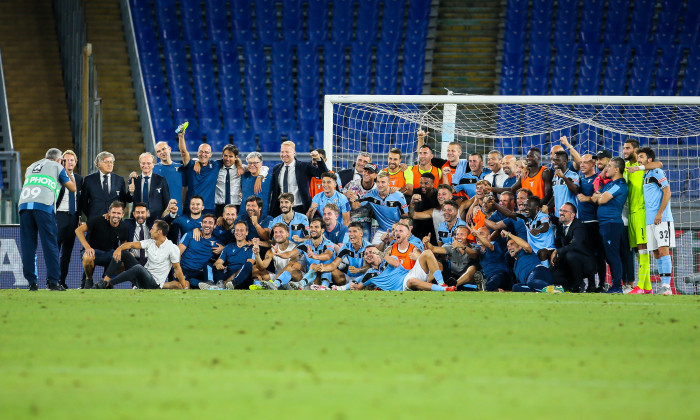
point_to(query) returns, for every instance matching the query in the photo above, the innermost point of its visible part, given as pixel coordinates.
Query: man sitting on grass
(162, 255)
(388, 274)
(284, 257)
(237, 259)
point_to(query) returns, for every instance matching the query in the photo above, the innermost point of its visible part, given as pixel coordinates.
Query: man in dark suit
(294, 177)
(67, 215)
(573, 259)
(102, 187)
(139, 227)
(355, 173)
(149, 188)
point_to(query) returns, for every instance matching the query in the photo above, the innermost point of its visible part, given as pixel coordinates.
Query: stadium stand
(231, 66)
(614, 47)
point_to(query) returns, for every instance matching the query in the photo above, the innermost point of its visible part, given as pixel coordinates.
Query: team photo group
(584, 223)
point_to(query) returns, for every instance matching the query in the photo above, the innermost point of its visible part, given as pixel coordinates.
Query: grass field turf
(197, 354)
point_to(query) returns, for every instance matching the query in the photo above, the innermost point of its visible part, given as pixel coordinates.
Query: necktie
(142, 252)
(285, 180)
(144, 192)
(105, 184)
(227, 190)
(566, 230)
(71, 203)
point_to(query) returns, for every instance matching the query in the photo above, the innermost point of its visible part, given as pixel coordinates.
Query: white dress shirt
(292, 185)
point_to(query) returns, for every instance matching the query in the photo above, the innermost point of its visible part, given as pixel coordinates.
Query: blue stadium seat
(227, 53)
(166, 18)
(242, 20)
(342, 21)
(217, 139)
(360, 70)
(667, 27)
(234, 120)
(334, 68)
(416, 37)
(419, 10)
(392, 21)
(293, 21)
(216, 20)
(191, 17)
(690, 28)
(640, 79)
(209, 119)
(587, 136)
(367, 20)
(245, 141)
(317, 22)
(387, 70)
(507, 145)
(412, 73)
(301, 140)
(589, 75)
(266, 22)
(318, 139)
(269, 141)
(159, 107)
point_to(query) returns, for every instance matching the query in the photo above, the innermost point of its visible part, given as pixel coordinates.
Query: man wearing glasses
(256, 182)
(573, 259)
(102, 187)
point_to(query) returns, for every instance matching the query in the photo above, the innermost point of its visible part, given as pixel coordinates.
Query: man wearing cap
(360, 188)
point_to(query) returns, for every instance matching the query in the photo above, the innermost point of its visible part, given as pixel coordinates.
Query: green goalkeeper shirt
(635, 185)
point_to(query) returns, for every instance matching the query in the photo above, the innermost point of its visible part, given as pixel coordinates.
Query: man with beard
(223, 231)
(510, 220)
(425, 156)
(162, 256)
(466, 182)
(444, 193)
(285, 259)
(196, 256)
(539, 230)
(386, 206)
(531, 275)
(386, 276)
(315, 250)
(105, 237)
(572, 260)
(586, 213)
(187, 222)
(566, 183)
(399, 178)
(611, 199)
(251, 217)
(508, 163)
(335, 231)
(330, 195)
(453, 164)
(424, 200)
(355, 173)
(470, 210)
(446, 230)
(237, 260)
(139, 229)
(492, 258)
(297, 223)
(172, 172)
(460, 260)
(392, 236)
(360, 188)
(634, 175)
(536, 178)
(348, 263)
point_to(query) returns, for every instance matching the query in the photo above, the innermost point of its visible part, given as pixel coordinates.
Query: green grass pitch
(198, 354)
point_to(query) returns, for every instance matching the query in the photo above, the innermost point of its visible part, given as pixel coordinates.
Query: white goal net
(514, 124)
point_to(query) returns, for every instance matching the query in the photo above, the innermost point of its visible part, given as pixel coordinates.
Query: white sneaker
(626, 289)
(294, 285)
(318, 287)
(665, 289)
(229, 285)
(268, 285)
(206, 286)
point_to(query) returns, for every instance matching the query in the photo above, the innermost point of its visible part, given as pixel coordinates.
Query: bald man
(574, 163)
(204, 182)
(171, 171)
(508, 163)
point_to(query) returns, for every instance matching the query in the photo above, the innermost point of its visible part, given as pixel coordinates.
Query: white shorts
(377, 238)
(415, 273)
(663, 234)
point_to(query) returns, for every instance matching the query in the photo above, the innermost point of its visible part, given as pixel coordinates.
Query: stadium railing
(80, 80)
(9, 160)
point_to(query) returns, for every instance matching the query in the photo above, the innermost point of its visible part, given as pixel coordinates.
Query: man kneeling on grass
(162, 255)
(388, 274)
